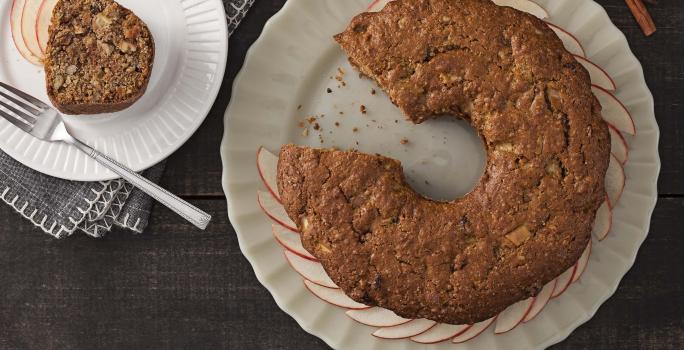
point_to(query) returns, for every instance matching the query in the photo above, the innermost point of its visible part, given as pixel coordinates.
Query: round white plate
(191, 40)
(285, 80)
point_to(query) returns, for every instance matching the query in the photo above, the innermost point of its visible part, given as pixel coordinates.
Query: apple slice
(513, 315)
(528, 6)
(614, 112)
(569, 41)
(582, 263)
(563, 281)
(377, 5)
(603, 221)
(312, 271)
(615, 181)
(473, 331)
(618, 145)
(15, 24)
(541, 300)
(377, 317)
(599, 76)
(406, 330)
(43, 23)
(275, 210)
(267, 166)
(333, 296)
(291, 241)
(28, 26)
(439, 333)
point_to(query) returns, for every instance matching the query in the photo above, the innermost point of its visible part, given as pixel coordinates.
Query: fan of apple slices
(30, 20)
(391, 326)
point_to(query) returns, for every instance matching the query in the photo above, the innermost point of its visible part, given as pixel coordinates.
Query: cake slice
(99, 57)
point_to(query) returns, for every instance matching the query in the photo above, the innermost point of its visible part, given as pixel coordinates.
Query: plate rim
(222, 64)
(556, 338)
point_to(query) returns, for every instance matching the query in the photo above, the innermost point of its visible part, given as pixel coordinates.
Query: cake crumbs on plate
(355, 129)
(404, 141)
(337, 124)
(373, 92)
(363, 109)
(316, 126)
(299, 107)
(328, 90)
(305, 132)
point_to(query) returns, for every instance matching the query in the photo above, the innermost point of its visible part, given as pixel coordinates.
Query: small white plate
(191, 40)
(295, 61)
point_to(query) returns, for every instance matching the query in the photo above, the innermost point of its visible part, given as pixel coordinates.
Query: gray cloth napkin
(60, 207)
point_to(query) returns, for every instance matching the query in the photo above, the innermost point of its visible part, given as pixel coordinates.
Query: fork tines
(19, 108)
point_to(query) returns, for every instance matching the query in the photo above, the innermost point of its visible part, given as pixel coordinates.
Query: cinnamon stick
(642, 16)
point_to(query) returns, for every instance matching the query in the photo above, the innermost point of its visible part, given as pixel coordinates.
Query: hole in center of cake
(446, 160)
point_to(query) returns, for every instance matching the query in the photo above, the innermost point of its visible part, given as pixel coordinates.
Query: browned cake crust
(99, 57)
(530, 216)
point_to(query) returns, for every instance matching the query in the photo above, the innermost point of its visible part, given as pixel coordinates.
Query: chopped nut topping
(125, 46)
(519, 236)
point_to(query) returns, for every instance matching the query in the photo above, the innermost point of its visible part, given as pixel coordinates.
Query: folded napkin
(60, 207)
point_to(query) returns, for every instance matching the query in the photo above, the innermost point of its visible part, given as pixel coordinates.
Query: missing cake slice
(99, 57)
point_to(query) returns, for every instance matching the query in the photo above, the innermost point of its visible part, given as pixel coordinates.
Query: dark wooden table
(176, 287)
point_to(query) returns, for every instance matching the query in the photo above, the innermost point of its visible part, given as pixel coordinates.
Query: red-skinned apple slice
(569, 41)
(333, 296)
(528, 6)
(275, 210)
(618, 145)
(28, 26)
(15, 24)
(599, 76)
(614, 112)
(377, 5)
(473, 331)
(615, 181)
(582, 263)
(377, 317)
(43, 23)
(563, 281)
(513, 315)
(406, 330)
(291, 241)
(267, 165)
(439, 333)
(312, 271)
(603, 221)
(541, 300)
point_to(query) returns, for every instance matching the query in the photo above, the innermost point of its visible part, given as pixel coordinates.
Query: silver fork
(43, 122)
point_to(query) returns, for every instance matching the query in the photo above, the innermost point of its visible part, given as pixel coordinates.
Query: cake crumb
(355, 129)
(363, 109)
(301, 124)
(317, 127)
(299, 107)
(328, 90)
(372, 91)
(337, 124)
(305, 132)
(341, 113)
(311, 120)
(404, 141)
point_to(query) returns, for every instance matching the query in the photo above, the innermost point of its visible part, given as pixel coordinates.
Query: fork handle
(189, 212)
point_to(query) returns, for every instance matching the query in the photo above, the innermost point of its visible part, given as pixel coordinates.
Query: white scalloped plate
(295, 61)
(191, 39)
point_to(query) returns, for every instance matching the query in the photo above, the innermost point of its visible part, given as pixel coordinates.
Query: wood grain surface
(177, 288)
